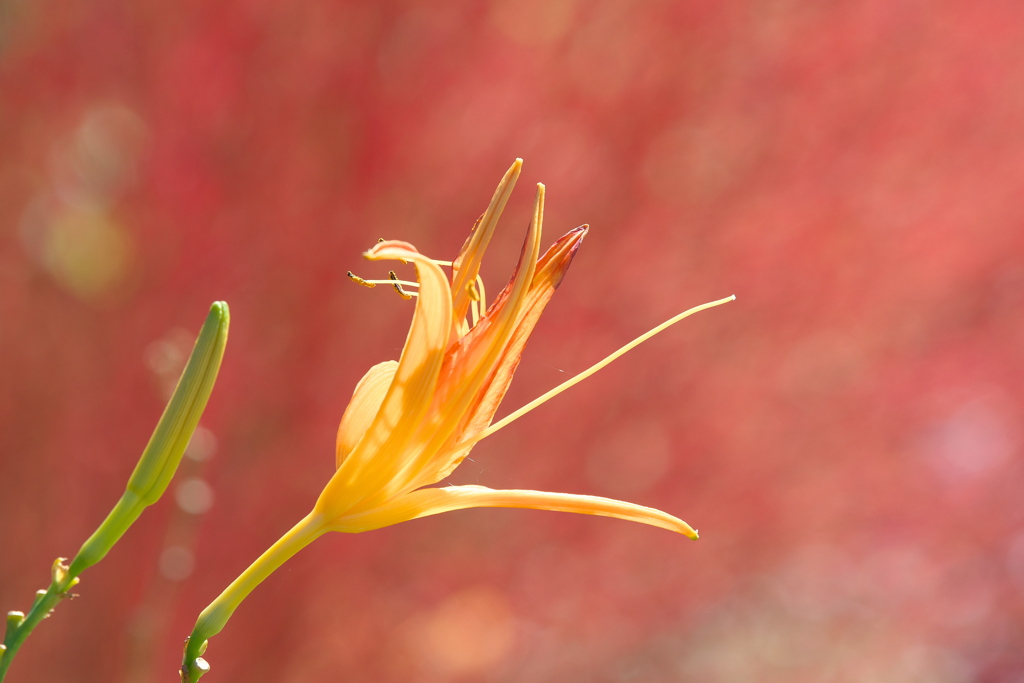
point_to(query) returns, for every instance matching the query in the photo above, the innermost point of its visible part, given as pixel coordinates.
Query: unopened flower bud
(163, 453)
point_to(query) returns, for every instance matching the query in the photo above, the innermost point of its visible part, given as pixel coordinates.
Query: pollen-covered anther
(475, 292)
(360, 281)
(397, 284)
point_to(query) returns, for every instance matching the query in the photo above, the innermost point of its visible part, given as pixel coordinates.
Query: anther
(397, 285)
(360, 281)
(475, 292)
(393, 281)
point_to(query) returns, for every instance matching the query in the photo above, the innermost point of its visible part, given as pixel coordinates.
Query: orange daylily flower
(411, 422)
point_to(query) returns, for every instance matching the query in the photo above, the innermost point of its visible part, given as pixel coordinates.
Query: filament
(515, 415)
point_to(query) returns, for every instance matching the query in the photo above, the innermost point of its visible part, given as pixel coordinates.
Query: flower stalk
(215, 616)
(20, 625)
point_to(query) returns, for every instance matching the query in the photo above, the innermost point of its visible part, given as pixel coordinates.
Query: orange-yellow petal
(550, 270)
(366, 401)
(373, 462)
(469, 362)
(425, 502)
(466, 265)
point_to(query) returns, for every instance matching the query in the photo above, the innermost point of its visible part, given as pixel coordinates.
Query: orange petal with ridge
(433, 501)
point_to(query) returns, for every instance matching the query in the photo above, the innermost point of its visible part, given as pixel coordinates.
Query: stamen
(393, 281)
(397, 284)
(481, 294)
(360, 281)
(515, 415)
(475, 293)
(474, 303)
(404, 283)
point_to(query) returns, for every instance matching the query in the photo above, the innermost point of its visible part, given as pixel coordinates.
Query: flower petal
(425, 502)
(366, 401)
(470, 361)
(550, 270)
(364, 473)
(466, 265)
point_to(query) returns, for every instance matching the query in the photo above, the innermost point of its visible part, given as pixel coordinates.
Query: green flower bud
(163, 453)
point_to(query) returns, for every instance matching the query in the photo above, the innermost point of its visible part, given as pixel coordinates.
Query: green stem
(215, 616)
(18, 629)
(96, 547)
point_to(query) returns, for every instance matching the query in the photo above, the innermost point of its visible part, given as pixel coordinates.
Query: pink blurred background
(847, 435)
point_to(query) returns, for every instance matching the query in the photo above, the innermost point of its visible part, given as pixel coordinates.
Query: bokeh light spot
(202, 446)
(176, 563)
(973, 439)
(194, 496)
(69, 227)
(87, 252)
(468, 633)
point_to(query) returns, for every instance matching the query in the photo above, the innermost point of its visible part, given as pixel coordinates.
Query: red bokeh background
(847, 435)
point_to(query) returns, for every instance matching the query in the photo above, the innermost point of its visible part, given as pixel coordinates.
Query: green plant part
(148, 482)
